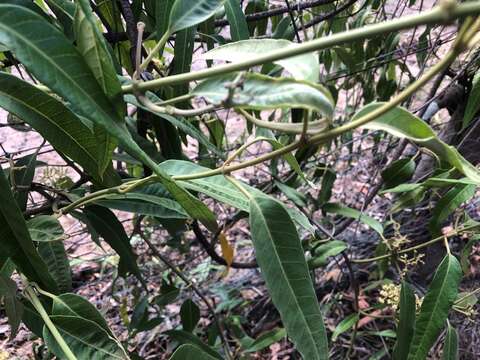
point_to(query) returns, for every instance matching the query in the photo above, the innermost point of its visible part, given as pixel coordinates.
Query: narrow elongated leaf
(13, 307)
(264, 92)
(184, 337)
(449, 203)
(53, 120)
(189, 351)
(15, 241)
(280, 255)
(111, 230)
(237, 21)
(23, 172)
(86, 339)
(64, 11)
(266, 340)
(473, 103)
(186, 13)
(301, 67)
(398, 172)
(401, 123)
(162, 15)
(344, 325)
(75, 305)
(406, 322)
(323, 252)
(189, 315)
(343, 210)
(53, 60)
(145, 204)
(92, 46)
(54, 255)
(450, 345)
(45, 228)
(435, 306)
(466, 252)
(223, 190)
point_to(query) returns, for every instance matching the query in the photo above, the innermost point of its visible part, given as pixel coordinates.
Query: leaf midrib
(254, 203)
(419, 347)
(50, 121)
(59, 68)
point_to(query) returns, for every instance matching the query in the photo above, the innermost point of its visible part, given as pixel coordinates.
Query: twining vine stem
(446, 12)
(464, 39)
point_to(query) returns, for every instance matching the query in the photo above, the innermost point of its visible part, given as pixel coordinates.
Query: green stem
(48, 322)
(295, 128)
(121, 189)
(446, 12)
(327, 135)
(161, 43)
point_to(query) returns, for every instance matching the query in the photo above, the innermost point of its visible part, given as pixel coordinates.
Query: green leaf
(280, 256)
(343, 210)
(328, 179)
(64, 12)
(184, 337)
(54, 255)
(182, 57)
(111, 230)
(168, 294)
(260, 92)
(473, 103)
(401, 123)
(162, 15)
(186, 13)
(266, 339)
(435, 306)
(15, 241)
(86, 339)
(398, 172)
(54, 61)
(465, 300)
(301, 67)
(237, 21)
(45, 228)
(189, 315)
(23, 172)
(450, 345)
(466, 252)
(92, 46)
(45, 51)
(75, 305)
(323, 252)
(294, 195)
(140, 314)
(189, 351)
(53, 120)
(13, 307)
(145, 204)
(449, 203)
(344, 325)
(223, 190)
(406, 322)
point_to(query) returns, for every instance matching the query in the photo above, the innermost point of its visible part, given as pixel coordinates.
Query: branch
(436, 15)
